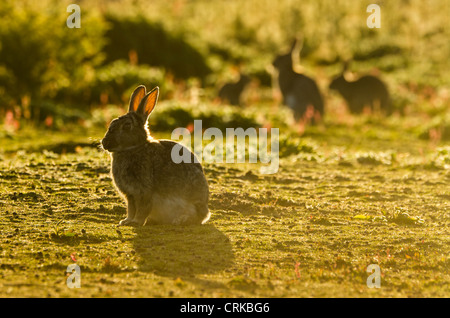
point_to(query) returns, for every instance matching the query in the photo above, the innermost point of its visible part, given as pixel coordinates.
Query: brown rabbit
(299, 91)
(368, 91)
(232, 92)
(156, 189)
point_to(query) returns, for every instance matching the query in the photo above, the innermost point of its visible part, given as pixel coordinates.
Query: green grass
(352, 192)
(349, 196)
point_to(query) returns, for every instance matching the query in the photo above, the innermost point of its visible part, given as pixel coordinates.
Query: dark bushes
(40, 57)
(154, 46)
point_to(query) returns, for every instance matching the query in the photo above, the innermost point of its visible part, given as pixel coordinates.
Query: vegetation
(350, 192)
(343, 201)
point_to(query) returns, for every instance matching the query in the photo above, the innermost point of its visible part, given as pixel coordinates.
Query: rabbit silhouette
(232, 92)
(300, 92)
(367, 91)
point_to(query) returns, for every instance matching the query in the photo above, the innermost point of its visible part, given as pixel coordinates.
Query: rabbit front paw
(126, 221)
(130, 222)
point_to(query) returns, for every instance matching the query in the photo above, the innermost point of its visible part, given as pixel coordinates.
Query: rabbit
(300, 93)
(368, 90)
(156, 189)
(232, 91)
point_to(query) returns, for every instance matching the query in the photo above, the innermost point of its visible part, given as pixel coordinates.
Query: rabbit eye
(126, 126)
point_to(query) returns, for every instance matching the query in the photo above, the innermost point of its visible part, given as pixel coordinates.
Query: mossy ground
(360, 195)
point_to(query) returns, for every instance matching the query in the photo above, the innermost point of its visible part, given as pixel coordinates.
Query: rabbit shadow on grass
(182, 251)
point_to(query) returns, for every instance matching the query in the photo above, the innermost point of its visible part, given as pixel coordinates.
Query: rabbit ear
(345, 66)
(297, 44)
(136, 98)
(296, 49)
(148, 102)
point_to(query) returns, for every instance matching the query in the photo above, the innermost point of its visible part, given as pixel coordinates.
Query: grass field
(350, 192)
(360, 194)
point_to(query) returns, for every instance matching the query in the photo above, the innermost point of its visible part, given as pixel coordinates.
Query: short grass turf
(354, 198)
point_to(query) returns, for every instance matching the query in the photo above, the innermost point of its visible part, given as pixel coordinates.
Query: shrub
(154, 46)
(118, 79)
(40, 56)
(172, 115)
(436, 128)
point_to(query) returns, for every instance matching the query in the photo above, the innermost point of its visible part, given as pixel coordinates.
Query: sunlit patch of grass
(402, 217)
(372, 158)
(309, 230)
(399, 216)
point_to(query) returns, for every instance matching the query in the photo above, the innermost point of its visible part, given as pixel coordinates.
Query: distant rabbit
(232, 91)
(300, 93)
(368, 91)
(156, 189)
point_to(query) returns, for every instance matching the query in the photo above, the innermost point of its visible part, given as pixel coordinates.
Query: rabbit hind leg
(172, 210)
